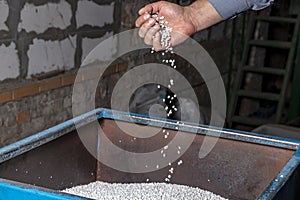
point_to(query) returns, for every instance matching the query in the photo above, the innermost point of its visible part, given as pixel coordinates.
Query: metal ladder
(280, 98)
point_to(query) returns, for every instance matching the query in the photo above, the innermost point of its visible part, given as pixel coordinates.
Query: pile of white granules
(139, 191)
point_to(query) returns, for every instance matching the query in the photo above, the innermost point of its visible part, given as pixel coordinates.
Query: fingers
(149, 36)
(145, 27)
(142, 19)
(156, 42)
(150, 8)
(148, 26)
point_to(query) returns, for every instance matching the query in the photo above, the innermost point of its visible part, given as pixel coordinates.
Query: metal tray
(240, 166)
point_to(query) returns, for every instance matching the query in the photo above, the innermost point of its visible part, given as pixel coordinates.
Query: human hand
(184, 21)
(174, 16)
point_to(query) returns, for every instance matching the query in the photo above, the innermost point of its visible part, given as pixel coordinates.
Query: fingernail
(151, 21)
(146, 16)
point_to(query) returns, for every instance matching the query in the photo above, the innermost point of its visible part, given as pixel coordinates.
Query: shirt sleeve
(230, 8)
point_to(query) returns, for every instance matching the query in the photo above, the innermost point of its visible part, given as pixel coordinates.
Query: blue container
(241, 165)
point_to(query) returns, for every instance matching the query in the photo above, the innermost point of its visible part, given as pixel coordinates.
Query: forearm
(202, 14)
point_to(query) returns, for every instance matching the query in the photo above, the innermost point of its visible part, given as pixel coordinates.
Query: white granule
(138, 191)
(165, 33)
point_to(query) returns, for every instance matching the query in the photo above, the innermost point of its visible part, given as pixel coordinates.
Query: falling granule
(164, 131)
(152, 50)
(118, 191)
(157, 166)
(172, 61)
(164, 155)
(179, 162)
(158, 86)
(169, 176)
(172, 82)
(166, 147)
(165, 38)
(168, 133)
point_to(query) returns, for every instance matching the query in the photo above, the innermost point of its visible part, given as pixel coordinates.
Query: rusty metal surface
(234, 169)
(58, 164)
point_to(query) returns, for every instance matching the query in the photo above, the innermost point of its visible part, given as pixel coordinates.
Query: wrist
(189, 13)
(202, 14)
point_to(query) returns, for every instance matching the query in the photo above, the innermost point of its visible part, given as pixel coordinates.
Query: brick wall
(44, 35)
(42, 44)
(47, 39)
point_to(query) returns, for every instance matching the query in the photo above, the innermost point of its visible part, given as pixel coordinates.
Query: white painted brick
(9, 62)
(90, 13)
(40, 18)
(88, 44)
(45, 56)
(4, 11)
